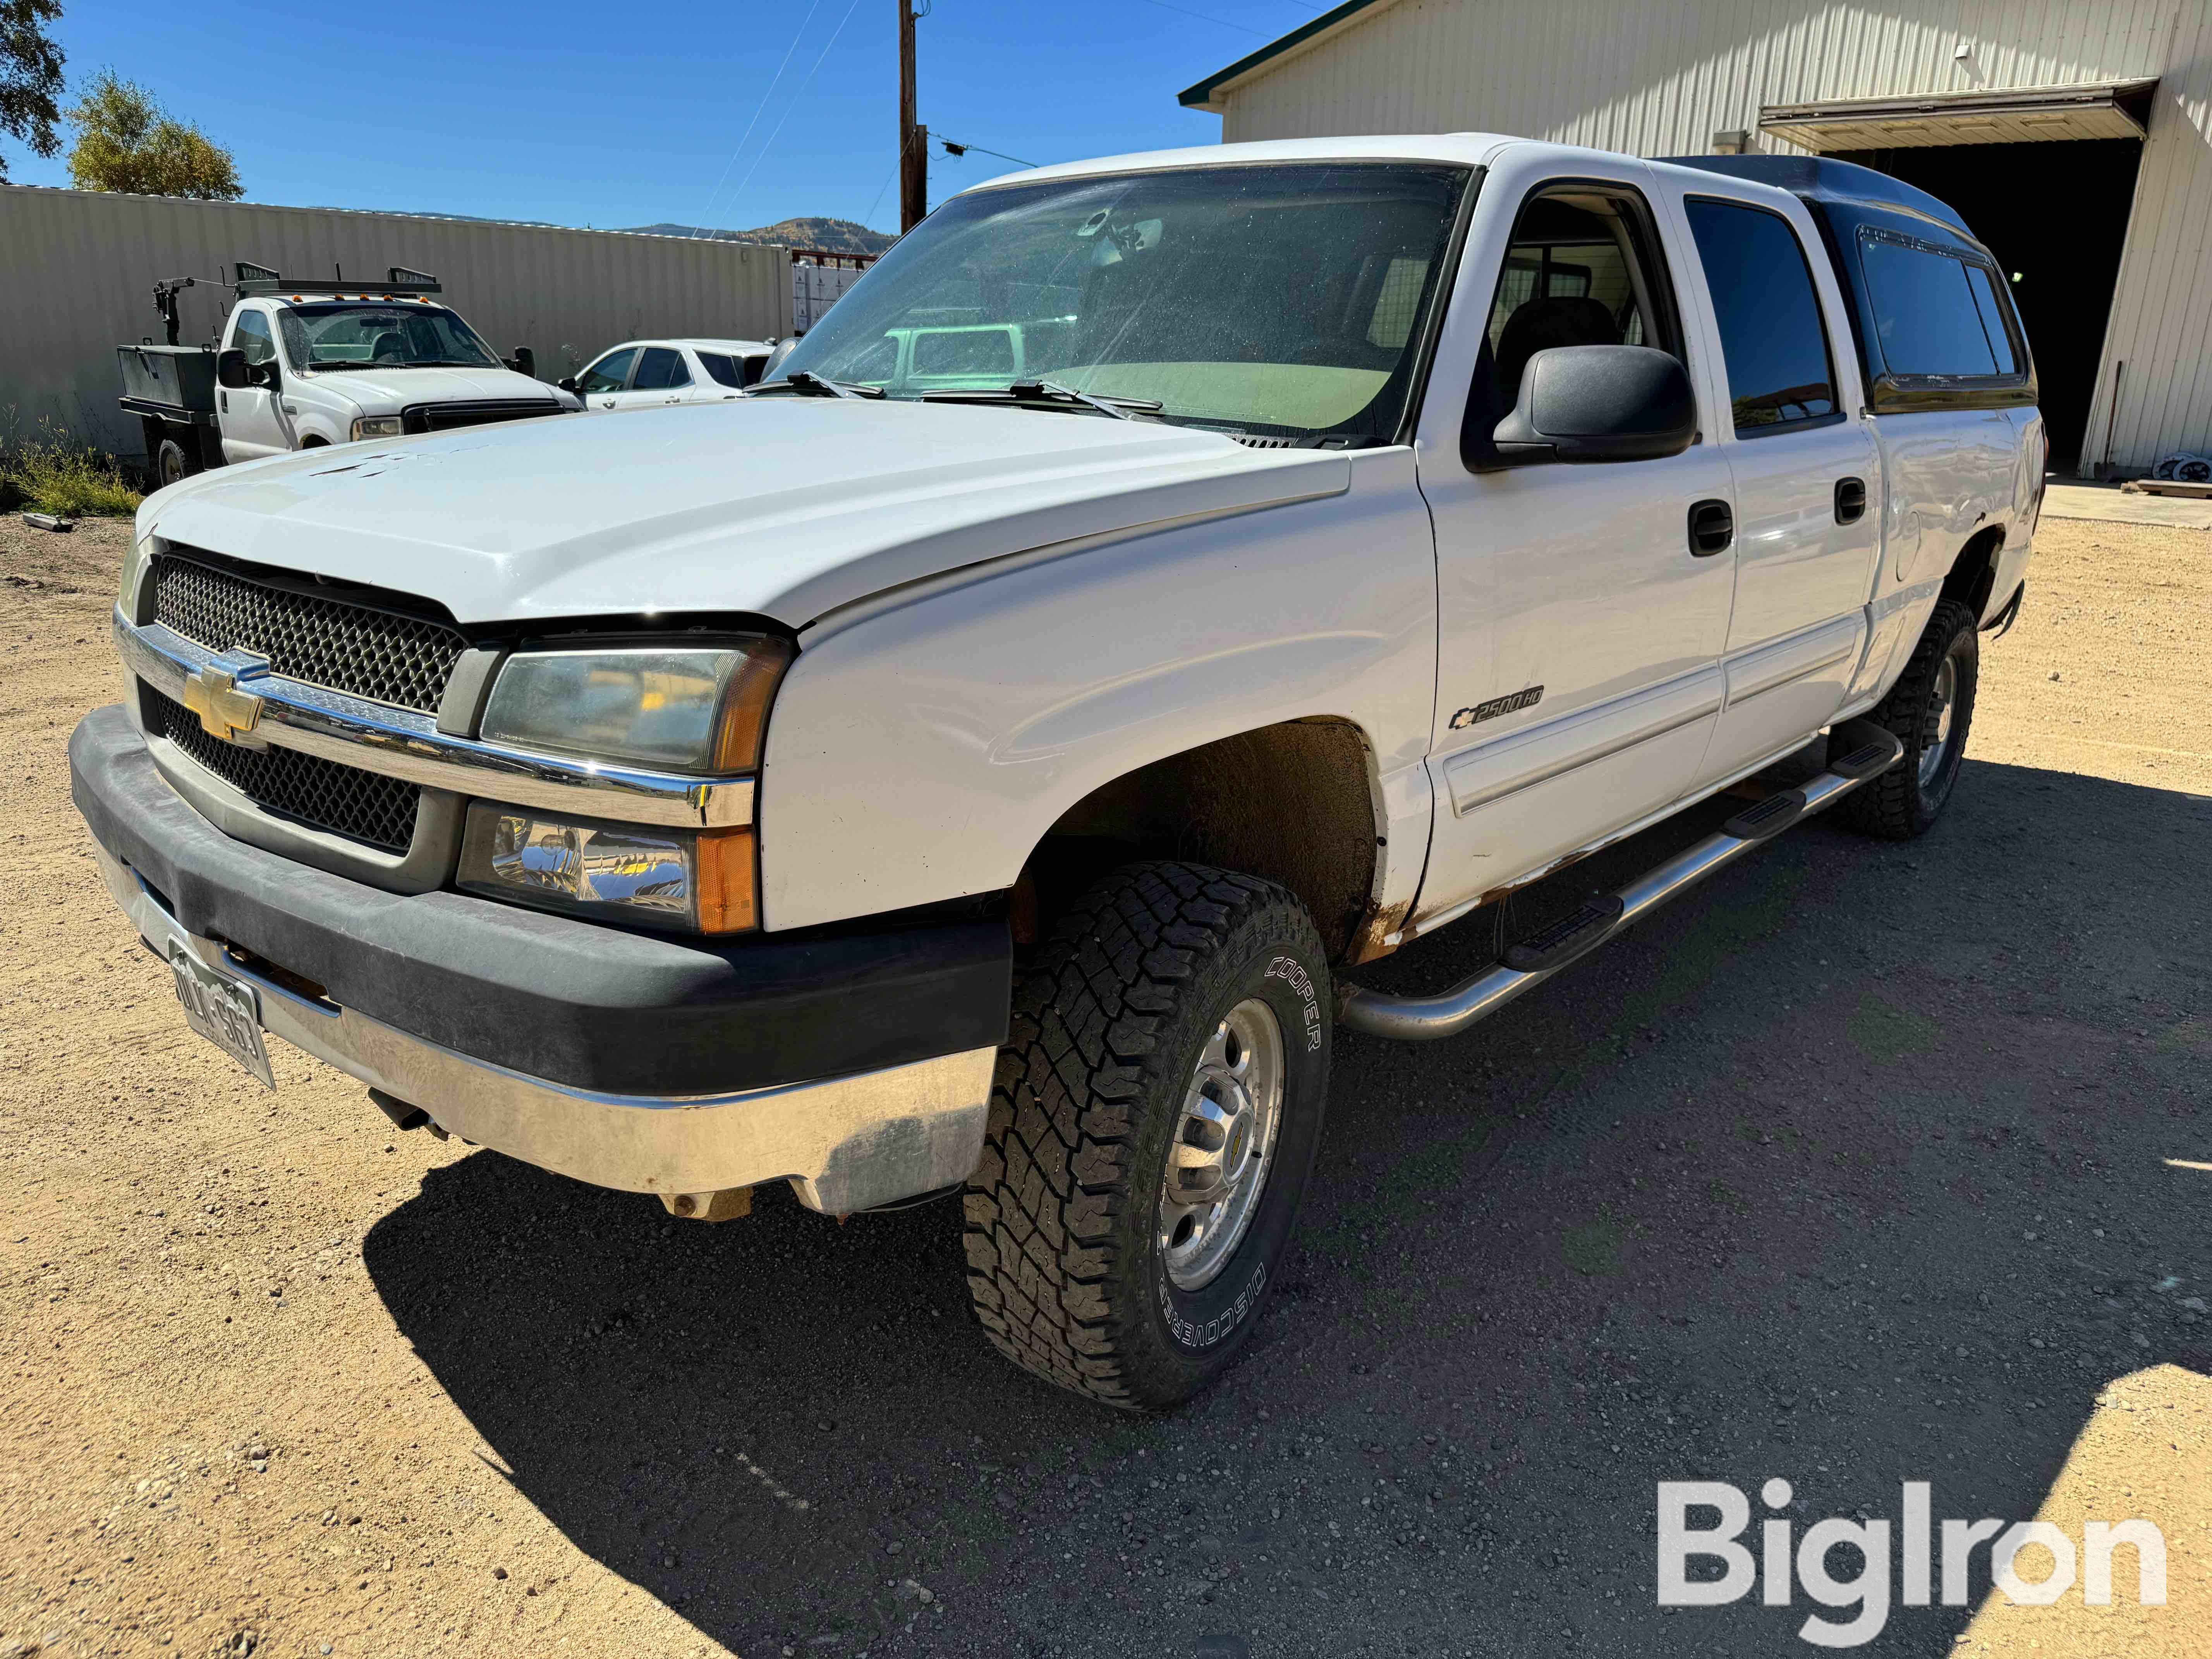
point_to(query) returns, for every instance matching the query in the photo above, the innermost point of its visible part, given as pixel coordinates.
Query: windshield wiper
(1051, 394)
(1122, 409)
(808, 384)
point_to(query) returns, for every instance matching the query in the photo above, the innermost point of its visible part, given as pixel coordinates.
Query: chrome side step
(1863, 750)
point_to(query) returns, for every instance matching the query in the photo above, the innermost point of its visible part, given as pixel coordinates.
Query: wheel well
(1974, 572)
(312, 442)
(1293, 803)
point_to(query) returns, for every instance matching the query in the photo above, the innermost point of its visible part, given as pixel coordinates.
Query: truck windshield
(1280, 299)
(342, 336)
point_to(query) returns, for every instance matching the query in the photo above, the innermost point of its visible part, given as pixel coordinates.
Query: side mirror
(267, 373)
(569, 384)
(525, 361)
(1599, 403)
(230, 369)
(772, 365)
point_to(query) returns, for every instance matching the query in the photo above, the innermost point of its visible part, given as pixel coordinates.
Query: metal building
(77, 270)
(2075, 135)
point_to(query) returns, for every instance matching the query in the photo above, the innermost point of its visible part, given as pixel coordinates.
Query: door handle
(1851, 500)
(1712, 528)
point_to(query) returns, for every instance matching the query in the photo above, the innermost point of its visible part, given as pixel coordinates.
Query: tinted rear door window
(1772, 340)
(1924, 312)
(1983, 281)
(659, 369)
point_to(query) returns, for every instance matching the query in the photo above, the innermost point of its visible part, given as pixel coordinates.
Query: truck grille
(445, 417)
(365, 806)
(381, 655)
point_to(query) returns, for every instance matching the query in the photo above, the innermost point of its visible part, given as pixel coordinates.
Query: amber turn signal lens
(729, 893)
(744, 704)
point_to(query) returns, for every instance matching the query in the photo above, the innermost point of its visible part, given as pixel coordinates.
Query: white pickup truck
(979, 761)
(303, 365)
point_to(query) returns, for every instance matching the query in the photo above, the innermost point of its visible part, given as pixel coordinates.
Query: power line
(880, 189)
(1201, 16)
(758, 110)
(954, 149)
(797, 99)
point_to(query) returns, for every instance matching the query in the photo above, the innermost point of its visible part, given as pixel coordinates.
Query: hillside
(831, 235)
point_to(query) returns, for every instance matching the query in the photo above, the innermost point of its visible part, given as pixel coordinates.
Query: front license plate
(224, 1011)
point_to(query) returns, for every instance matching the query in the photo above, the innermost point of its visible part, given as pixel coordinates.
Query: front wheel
(1153, 1125)
(1930, 708)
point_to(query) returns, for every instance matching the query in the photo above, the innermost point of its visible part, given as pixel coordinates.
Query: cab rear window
(1931, 315)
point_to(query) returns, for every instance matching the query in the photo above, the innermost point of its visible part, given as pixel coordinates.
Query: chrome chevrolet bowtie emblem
(225, 711)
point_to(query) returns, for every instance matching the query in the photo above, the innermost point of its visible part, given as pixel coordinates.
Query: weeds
(51, 474)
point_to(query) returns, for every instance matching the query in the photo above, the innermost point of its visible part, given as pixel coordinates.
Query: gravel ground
(1864, 1163)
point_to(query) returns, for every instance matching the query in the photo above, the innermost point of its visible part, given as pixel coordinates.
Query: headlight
(376, 426)
(683, 710)
(700, 882)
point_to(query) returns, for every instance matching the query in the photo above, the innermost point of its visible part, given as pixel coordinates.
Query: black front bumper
(586, 1006)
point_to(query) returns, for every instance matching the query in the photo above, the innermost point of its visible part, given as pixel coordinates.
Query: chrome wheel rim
(1223, 1146)
(1943, 700)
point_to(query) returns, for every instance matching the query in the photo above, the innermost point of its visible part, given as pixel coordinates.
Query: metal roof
(1202, 95)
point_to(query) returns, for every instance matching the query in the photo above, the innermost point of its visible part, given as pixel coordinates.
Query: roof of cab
(1822, 179)
(1473, 150)
(1464, 149)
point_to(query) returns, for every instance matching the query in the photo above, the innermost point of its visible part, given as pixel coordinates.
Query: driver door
(1580, 627)
(253, 423)
(606, 382)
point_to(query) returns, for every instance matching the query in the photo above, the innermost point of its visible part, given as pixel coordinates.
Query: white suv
(647, 373)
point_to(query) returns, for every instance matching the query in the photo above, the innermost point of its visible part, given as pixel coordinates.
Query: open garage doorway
(2055, 213)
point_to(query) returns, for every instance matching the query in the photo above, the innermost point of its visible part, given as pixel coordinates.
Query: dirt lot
(1866, 1163)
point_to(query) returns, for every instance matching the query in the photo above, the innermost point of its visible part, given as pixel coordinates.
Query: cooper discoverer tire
(1137, 1188)
(1931, 710)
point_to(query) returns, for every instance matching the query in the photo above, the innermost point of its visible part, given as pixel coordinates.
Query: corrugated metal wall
(1662, 78)
(77, 270)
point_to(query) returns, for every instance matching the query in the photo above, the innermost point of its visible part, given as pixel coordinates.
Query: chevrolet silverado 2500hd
(979, 760)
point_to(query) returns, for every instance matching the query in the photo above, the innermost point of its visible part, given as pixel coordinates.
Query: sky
(733, 115)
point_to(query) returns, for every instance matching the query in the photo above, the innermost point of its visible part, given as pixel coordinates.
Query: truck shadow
(1855, 1167)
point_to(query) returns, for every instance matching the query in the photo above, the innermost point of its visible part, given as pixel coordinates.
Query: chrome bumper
(845, 1144)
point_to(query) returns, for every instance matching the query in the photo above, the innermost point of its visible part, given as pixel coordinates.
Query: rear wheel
(171, 464)
(1931, 710)
(1151, 1129)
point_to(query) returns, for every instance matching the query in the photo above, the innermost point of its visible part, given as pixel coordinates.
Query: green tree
(30, 76)
(127, 141)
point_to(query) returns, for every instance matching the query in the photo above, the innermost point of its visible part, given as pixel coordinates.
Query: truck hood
(785, 508)
(386, 391)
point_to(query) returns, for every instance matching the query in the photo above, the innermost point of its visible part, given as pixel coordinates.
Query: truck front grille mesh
(355, 648)
(448, 417)
(365, 806)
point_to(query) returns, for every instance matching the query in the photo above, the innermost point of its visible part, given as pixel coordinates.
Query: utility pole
(914, 137)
